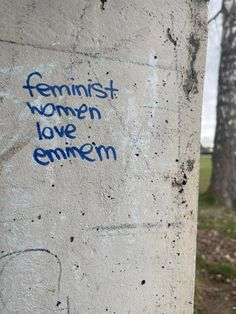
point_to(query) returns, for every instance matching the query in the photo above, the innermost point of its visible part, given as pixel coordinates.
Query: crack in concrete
(84, 54)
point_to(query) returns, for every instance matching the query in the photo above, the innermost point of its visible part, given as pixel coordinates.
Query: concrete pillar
(100, 107)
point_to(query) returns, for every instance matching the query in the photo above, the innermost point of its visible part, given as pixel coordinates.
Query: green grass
(215, 268)
(211, 215)
(206, 200)
(205, 172)
(219, 219)
(226, 270)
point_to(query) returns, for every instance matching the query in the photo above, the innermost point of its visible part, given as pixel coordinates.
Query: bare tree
(223, 180)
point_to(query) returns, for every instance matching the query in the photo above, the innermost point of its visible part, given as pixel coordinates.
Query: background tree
(223, 180)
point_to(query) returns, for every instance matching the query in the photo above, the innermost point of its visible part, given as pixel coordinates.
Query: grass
(224, 269)
(205, 173)
(212, 216)
(218, 219)
(202, 283)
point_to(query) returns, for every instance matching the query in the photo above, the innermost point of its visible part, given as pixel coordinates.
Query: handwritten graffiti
(89, 152)
(86, 90)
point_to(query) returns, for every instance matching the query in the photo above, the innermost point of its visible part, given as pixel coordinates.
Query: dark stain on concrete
(13, 150)
(190, 165)
(103, 4)
(191, 80)
(172, 38)
(125, 227)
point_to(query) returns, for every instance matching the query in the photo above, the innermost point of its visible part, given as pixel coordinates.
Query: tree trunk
(223, 180)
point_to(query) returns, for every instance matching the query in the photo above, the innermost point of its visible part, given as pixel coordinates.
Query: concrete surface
(99, 166)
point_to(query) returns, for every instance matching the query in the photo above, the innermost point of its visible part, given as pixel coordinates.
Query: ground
(216, 252)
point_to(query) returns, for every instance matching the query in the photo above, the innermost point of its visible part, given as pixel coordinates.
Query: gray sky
(211, 76)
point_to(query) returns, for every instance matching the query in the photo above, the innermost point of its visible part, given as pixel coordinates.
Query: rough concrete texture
(95, 229)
